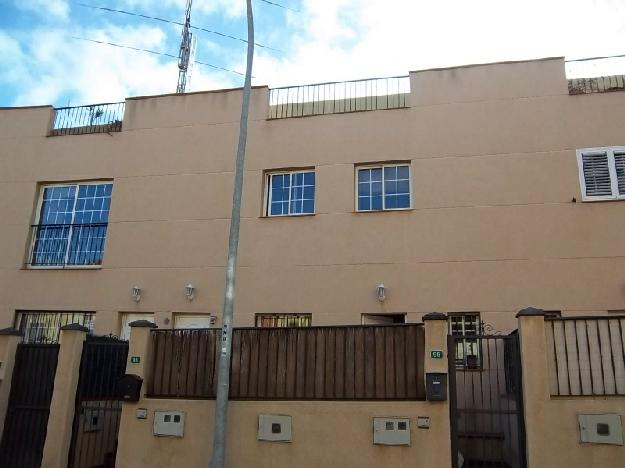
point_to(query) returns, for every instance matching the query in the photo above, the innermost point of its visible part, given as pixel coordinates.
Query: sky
(317, 41)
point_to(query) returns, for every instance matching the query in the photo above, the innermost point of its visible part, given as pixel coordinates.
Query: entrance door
(486, 402)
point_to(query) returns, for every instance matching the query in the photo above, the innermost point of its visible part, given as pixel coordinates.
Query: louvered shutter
(596, 171)
(619, 162)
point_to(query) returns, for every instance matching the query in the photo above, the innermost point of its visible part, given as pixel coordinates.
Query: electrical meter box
(168, 423)
(600, 429)
(436, 386)
(391, 431)
(275, 427)
(129, 387)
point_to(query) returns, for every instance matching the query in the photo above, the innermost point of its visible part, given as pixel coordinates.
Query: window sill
(396, 210)
(62, 267)
(304, 215)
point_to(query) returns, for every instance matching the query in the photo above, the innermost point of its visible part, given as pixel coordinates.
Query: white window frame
(267, 204)
(37, 219)
(358, 167)
(609, 151)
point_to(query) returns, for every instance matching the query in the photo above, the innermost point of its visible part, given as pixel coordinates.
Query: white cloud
(59, 9)
(94, 73)
(343, 39)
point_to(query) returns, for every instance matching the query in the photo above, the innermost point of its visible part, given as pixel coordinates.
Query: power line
(587, 59)
(153, 52)
(156, 18)
(280, 6)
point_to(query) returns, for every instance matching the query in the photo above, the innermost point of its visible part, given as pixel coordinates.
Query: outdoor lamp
(381, 290)
(189, 291)
(136, 293)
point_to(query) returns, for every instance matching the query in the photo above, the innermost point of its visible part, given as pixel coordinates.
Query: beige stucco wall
(492, 228)
(325, 433)
(551, 422)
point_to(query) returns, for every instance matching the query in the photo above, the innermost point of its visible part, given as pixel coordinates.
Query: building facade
(473, 191)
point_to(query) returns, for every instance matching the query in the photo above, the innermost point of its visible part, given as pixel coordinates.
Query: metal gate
(486, 401)
(98, 410)
(29, 405)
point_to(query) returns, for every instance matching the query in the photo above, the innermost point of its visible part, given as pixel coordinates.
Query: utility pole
(186, 44)
(223, 377)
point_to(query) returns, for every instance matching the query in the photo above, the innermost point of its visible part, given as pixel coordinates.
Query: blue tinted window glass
(364, 175)
(390, 202)
(298, 179)
(82, 191)
(363, 189)
(364, 203)
(296, 206)
(91, 190)
(390, 173)
(403, 186)
(99, 192)
(403, 201)
(276, 208)
(309, 193)
(276, 181)
(276, 195)
(309, 206)
(376, 175)
(390, 188)
(403, 172)
(376, 189)
(309, 178)
(376, 203)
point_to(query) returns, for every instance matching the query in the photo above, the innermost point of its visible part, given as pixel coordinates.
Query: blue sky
(325, 40)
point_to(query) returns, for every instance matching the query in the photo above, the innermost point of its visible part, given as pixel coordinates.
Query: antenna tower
(186, 44)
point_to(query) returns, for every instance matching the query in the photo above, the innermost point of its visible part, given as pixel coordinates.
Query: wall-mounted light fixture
(136, 293)
(189, 291)
(381, 292)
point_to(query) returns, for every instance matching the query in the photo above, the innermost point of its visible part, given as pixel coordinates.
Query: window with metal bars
(283, 320)
(45, 327)
(602, 173)
(468, 352)
(71, 225)
(290, 193)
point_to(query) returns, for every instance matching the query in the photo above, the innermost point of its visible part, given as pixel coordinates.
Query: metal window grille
(94, 118)
(45, 327)
(468, 352)
(290, 193)
(72, 225)
(602, 173)
(339, 97)
(283, 320)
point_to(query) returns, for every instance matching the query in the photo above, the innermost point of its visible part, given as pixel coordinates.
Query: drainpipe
(223, 376)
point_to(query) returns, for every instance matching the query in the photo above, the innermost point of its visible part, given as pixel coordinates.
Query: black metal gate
(486, 402)
(98, 410)
(28, 409)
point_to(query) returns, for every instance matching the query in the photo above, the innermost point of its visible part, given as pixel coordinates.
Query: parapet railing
(586, 355)
(93, 118)
(378, 362)
(339, 97)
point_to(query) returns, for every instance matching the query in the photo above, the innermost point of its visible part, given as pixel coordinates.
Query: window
(290, 193)
(385, 187)
(283, 320)
(71, 225)
(382, 319)
(127, 319)
(45, 327)
(193, 321)
(602, 173)
(467, 349)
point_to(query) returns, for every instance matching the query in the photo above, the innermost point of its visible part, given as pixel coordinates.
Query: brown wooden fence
(586, 355)
(330, 363)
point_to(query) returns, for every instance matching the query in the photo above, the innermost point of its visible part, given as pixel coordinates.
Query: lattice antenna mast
(185, 50)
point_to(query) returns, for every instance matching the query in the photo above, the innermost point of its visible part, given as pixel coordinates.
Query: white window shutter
(596, 174)
(619, 162)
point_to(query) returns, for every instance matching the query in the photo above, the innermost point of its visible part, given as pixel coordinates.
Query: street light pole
(225, 345)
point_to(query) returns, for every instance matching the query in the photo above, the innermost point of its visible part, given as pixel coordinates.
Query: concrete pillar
(9, 339)
(139, 347)
(436, 330)
(59, 434)
(535, 370)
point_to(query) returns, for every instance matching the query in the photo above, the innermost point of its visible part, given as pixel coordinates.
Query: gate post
(62, 407)
(435, 324)
(9, 339)
(535, 378)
